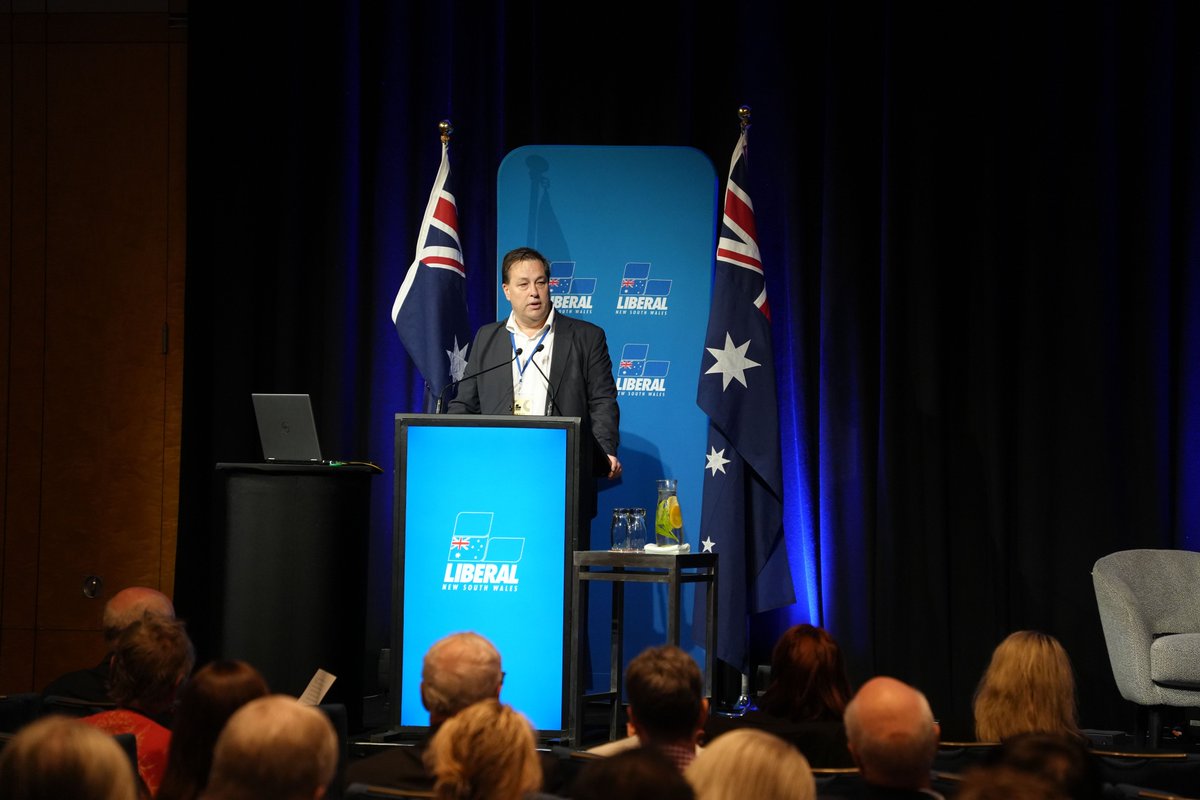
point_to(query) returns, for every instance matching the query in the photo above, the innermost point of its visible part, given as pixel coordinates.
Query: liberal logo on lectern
(641, 295)
(478, 561)
(569, 293)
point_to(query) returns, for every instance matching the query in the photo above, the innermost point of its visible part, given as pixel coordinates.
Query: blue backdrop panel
(630, 233)
(478, 555)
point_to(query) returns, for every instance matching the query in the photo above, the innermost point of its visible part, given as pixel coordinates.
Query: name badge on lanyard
(522, 404)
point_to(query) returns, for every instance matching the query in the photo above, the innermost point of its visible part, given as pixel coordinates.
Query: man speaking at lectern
(557, 366)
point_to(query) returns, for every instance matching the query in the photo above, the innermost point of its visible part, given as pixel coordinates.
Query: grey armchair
(1149, 603)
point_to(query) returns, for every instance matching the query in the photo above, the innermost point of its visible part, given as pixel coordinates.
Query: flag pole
(743, 702)
(430, 311)
(445, 129)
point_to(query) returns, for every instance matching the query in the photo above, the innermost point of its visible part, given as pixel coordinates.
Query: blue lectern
(484, 532)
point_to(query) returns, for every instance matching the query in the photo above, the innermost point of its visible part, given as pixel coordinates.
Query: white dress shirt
(531, 370)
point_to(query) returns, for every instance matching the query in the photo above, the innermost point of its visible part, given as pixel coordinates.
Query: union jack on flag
(473, 548)
(738, 245)
(430, 310)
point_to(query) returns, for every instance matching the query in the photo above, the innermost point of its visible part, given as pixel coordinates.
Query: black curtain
(980, 226)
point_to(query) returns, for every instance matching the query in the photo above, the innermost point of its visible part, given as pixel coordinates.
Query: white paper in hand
(317, 688)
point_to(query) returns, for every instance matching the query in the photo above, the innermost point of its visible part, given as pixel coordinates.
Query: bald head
(892, 734)
(460, 669)
(129, 605)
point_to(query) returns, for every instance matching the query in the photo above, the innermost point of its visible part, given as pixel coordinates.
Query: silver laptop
(286, 428)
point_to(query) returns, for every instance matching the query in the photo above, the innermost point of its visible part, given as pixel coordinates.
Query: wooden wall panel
(106, 248)
(16, 659)
(6, 153)
(98, 111)
(10, 650)
(60, 651)
(176, 263)
(22, 520)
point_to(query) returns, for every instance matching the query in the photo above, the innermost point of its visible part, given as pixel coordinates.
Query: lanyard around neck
(522, 367)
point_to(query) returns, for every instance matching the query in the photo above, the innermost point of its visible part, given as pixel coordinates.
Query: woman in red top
(152, 658)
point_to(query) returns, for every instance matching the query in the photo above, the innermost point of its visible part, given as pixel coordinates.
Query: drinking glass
(619, 530)
(637, 529)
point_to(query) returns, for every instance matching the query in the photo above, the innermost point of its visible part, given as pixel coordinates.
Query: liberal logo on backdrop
(569, 293)
(640, 376)
(478, 561)
(641, 295)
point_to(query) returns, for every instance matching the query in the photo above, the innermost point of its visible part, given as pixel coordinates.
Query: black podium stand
(294, 596)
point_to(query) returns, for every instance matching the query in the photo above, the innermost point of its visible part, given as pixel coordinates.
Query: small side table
(619, 568)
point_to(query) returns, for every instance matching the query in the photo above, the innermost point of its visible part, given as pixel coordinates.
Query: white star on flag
(708, 545)
(731, 362)
(716, 460)
(458, 360)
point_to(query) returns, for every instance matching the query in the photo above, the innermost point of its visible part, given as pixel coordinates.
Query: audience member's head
(639, 774)
(892, 734)
(1002, 782)
(273, 747)
(1029, 686)
(666, 696)
(460, 669)
(751, 763)
(206, 702)
(129, 605)
(486, 751)
(59, 757)
(151, 658)
(1062, 759)
(808, 677)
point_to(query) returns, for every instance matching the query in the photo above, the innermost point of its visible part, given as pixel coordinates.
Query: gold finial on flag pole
(446, 129)
(744, 117)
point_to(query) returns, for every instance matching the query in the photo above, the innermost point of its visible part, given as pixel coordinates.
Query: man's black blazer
(581, 385)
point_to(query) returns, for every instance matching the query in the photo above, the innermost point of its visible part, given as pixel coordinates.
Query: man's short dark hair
(666, 692)
(639, 774)
(1063, 759)
(521, 254)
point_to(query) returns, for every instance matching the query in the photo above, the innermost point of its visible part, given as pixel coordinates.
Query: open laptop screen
(286, 428)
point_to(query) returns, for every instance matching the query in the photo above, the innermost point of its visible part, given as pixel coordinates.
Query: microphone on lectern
(442, 394)
(550, 390)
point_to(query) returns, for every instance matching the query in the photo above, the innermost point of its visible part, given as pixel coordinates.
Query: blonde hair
(1029, 687)
(751, 763)
(273, 747)
(57, 756)
(487, 750)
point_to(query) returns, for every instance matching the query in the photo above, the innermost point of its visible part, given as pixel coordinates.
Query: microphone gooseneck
(442, 394)
(550, 391)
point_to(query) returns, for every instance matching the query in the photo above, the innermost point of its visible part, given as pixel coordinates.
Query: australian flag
(742, 509)
(430, 310)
